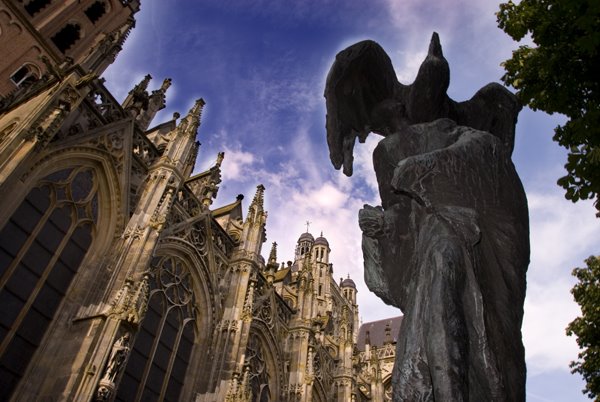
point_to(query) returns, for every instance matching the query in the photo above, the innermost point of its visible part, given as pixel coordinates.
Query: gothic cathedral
(118, 280)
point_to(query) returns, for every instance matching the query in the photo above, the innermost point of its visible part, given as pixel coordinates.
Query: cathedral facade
(119, 281)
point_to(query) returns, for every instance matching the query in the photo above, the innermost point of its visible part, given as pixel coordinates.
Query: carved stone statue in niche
(118, 355)
(116, 362)
(450, 244)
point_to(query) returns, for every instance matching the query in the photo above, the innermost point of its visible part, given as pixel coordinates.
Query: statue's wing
(361, 78)
(493, 109)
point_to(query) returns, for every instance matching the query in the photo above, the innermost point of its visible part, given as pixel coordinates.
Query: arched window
(259, 375)
(25, 75)
(34, 6)
(95, 11)
(41, 248)
(66, 37)
(161, 353)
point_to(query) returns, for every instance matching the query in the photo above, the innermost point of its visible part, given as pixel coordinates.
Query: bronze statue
(450, 244)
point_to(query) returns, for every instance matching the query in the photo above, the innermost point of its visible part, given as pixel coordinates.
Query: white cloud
(236, 163)
(549, 309)
(363, 167)
(563, 234)
(325, 198)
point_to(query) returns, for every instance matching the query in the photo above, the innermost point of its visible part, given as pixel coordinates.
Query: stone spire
(272, 265)
(137, 99)
(143, 85)
(254, 233)
(210, 186)
(220, 157)
(156, 102)
(273, 254)
(190, 123)
(256, 207)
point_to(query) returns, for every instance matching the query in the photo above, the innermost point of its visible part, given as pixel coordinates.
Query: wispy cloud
(562, 234)
(549, 308)
(235, 163)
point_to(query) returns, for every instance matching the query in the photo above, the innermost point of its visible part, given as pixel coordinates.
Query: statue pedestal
(105, 389)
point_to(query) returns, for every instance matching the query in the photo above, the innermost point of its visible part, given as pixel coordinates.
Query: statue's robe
(450, 248)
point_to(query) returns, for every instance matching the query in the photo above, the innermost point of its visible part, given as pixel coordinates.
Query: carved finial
(190, 123)
(176, 115)
(259, 196)
(143, 84)
(308, 225)
(321, 233)
(273, 254)
(197, 108)
(165, 85)
(248, 303)
(220, 157)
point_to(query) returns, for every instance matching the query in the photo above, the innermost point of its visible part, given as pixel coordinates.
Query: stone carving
(118, 354)
(116, 361)
(450, 244)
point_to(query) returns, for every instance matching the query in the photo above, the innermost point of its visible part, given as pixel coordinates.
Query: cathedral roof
(321, 240)
(281, 274)
(376, 331)
(348, 283)
(306, 236)
(233, 210)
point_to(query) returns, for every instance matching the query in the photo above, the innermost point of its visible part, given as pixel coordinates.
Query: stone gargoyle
(449, 245)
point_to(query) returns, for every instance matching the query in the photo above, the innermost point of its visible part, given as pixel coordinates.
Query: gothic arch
(177, 273)
(57, 223)
(110, 214)
(273, 359)
(204, 288)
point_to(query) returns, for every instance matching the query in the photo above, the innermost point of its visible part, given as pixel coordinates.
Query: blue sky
(261, 67)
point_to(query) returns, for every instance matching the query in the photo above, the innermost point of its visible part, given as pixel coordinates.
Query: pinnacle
(220, 157)
(196, 110)
(259, 196)
(165, 85)
(273, 254)
(191, 121)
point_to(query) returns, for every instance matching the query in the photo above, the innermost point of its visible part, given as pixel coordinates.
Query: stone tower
(37, 36)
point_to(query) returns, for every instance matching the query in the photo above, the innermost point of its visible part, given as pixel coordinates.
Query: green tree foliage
(560, 75)
(587, 327)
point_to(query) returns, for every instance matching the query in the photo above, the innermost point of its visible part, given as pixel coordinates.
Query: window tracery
(259, 375)
(162, 349)
(41, 248)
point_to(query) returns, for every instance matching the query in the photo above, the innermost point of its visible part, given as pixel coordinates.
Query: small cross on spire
(307, 225)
